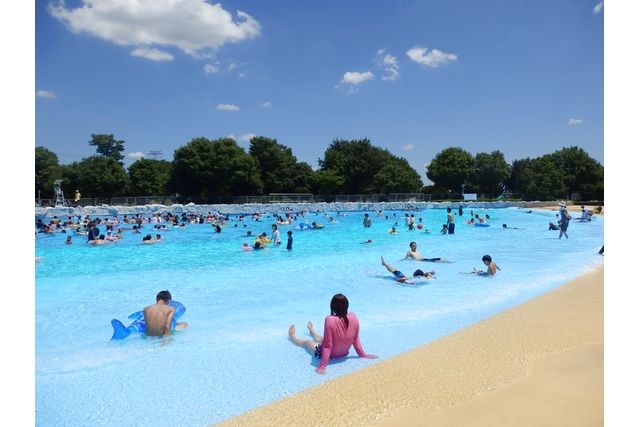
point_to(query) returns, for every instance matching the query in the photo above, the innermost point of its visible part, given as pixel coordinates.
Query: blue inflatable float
(120, 331)
(481, 225)
(305, 226)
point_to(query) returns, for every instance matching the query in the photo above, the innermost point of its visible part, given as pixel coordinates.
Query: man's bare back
(158, 319)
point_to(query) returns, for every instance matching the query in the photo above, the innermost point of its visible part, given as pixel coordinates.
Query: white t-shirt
(276, 236)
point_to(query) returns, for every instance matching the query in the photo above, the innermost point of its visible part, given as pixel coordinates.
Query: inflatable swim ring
(139, 325)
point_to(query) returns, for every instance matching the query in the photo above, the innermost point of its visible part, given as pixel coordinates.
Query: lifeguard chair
(58, 192)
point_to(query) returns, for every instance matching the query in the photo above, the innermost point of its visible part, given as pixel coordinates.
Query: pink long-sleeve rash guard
(338, 338)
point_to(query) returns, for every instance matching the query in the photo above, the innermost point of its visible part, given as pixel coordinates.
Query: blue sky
(414, 77)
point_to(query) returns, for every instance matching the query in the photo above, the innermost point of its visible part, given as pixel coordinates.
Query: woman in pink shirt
(341, 331)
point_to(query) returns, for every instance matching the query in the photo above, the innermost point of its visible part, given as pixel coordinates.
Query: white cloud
(46, 94)
(211, 69)
(355, 78)
(390, 64)
(232, 66)
(247, 136)
(432, 59)
(266, 104)
(242, 75)
(152, 54)
(136, 155)
(196, 27)
(573, 121)
(598, 8)
(408, 147)
(228, 107)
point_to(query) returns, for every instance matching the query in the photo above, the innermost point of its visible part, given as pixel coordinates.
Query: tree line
(220, 167)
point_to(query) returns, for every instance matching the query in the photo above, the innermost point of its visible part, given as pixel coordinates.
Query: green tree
(149, 177)
(108, 146)
(451, 168)
(542, 179)
(302, 180)
(520, 173)
(327, 182)
(358, 163)
(491, 174)
(206, 167)
(397, 176)
(96, 176)
(582, 173)
(279, 168)
(47, 171)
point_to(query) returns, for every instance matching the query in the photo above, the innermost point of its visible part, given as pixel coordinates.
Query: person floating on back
(400, 277)
(341, 331)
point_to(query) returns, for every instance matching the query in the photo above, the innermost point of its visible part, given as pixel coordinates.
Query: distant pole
(462, 191)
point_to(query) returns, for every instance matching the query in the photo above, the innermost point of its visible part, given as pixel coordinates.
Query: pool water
(235, 354)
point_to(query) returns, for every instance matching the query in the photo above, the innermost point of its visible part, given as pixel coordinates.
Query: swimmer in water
(402, 278)
(413, 253)
(492, 268)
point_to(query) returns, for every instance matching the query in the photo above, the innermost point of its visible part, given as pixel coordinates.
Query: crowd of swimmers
(341, 327)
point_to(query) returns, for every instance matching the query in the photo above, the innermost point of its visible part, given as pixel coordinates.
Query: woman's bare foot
(317, 338)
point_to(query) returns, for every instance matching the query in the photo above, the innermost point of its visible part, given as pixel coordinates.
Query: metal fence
(271, 198)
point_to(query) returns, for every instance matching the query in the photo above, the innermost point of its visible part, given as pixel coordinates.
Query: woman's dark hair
(418, 273)
(339, 306)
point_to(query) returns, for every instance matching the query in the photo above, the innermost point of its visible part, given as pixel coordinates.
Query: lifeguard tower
(58, 192)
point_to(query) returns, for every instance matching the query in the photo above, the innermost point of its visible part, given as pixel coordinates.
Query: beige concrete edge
(544, 357)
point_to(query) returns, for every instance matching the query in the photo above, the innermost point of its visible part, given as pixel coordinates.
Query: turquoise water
(235, 354)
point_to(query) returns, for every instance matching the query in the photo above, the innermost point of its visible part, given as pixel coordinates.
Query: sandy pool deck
(539, 363)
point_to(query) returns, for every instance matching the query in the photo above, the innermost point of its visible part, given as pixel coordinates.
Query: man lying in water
(404, 279)
(413, 253)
